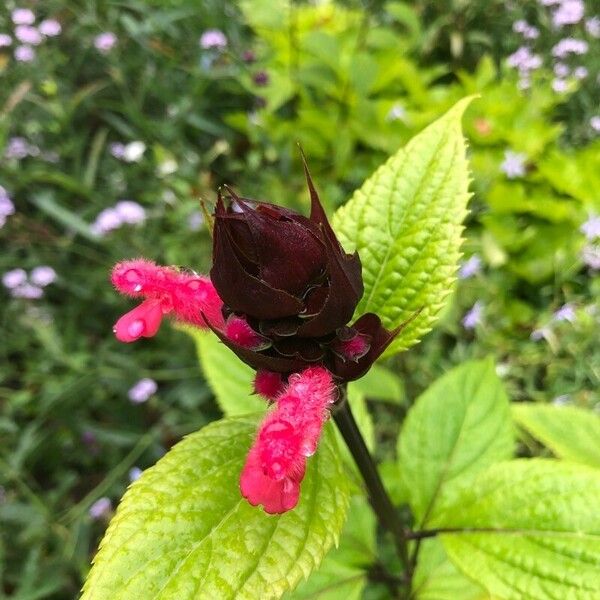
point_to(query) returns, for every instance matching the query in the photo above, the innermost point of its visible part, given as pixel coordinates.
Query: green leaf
(405, 222)
(570, 432)
(460, 425)
(228, 377)
(436, 577)
(540, 530)
(380, 384)
(343, 573)
(183, 530)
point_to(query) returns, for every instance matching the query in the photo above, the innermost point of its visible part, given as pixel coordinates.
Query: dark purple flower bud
(248, 56)
(261, 78)
(289, 290)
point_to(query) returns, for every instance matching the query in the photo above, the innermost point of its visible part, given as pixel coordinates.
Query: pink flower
(14, 278)
(28, 35)
(105, 42)
(189, 298)
(268, 384)
(24, 54)
(101, 509)
(142, 390)
(213, 38)
(5, 40)
(290, 433)
(43, 276)
(50, 28)
(22, 16)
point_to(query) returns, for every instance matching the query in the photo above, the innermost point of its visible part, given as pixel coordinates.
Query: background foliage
(351, 85)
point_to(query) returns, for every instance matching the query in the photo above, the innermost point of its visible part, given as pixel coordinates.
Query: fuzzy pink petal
(268, 384)
(143, 321)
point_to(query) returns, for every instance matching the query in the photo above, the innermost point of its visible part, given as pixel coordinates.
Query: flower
(134, 151)
(561, 70)
(7, 208)
(130, 212)
(195, 221)
(106, 221)
(396, 113)
(28, 35)
(13, 279)
(591, 256)
(580, 72)
(134, 474)
(28, 291)
(261, 78)
(470, 268)
(50, 28)
(117, 149)
(42, 276)
(568, 12)
(592, 26)
(248, 56)
(105, 42)
(513, 165)
(290, 433)
(591, 227)
(595, 123)
(287, 280)
(473, 317)
(5, 40)
(565, 313)
(568, 46)
(101, 508)
(24, 54)
(142, 390)
(213, 38)
(18, 147)
(524, 60)
(559, 85)
(22, 16)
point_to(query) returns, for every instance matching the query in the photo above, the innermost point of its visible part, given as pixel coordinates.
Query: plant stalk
(378, 497)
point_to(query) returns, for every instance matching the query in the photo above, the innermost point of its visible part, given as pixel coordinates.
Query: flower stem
(379, 498)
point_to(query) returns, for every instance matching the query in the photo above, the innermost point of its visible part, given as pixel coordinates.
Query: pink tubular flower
(276, 463)
(268, 384)
(190, 298)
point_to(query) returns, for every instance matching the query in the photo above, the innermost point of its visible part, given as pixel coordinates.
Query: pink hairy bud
(289, 434)
(268, 384)
(188, 297)
(237, 330)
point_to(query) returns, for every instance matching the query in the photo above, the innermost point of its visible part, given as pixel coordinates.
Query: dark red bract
(294, 288)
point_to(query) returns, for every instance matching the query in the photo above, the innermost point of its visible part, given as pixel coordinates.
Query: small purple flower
(560, 85)
(196, 221)
(5, 40)
(90, 441)
(542, 333)
(130, 212)
(27, 291)
(396, 113)
(561, 70)
(7, 208)
(27, 34)
(580, 73)
(42, 276)
(261, 78)
(105, 42)
(520, 26)
(595, 123)
(565, 313)
(17, 147)
(592, 26)
(22, 16)
(14, 278)
(213, 38)
(568, 46)
(142, 390)
(513, 165)
(248, 56)
(50, 28)
(591, 227)
(117, 149)
(524, 83)
(568, 12)
(473, 316)
(101, 508)
(134, 474)
(106, 221)
(470, 268)
(591, 256)
(24, 54)
(524, 60)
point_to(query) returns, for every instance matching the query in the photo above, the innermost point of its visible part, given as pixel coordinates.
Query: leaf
(436, 578)
(457, 427)
(540, 530)
(571, 433)
(405, 222)
(380, 383)
(228, 377)
(183, 530)
(343, 573)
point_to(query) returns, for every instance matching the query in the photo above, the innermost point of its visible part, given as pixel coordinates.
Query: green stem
(379, 498)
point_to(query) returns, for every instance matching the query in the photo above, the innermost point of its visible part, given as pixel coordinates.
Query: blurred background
(117, 118)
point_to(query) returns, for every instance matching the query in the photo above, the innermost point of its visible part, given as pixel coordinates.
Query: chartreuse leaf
(539, 528)
(405, 222)
(460, 425)
(570, 432)
(380, 383)
(228, 377)
(343, 573)
(183, 530)
(437, 578)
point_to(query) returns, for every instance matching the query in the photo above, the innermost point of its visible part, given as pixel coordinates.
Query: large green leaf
(570, 432)
(437, 578)
(380, 383)
(539, 528)
(183, 530)
(460, 425)
(228, 377)
(405, 222)
(343, 574)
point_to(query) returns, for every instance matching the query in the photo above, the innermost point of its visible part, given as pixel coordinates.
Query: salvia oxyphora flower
(282, 294)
